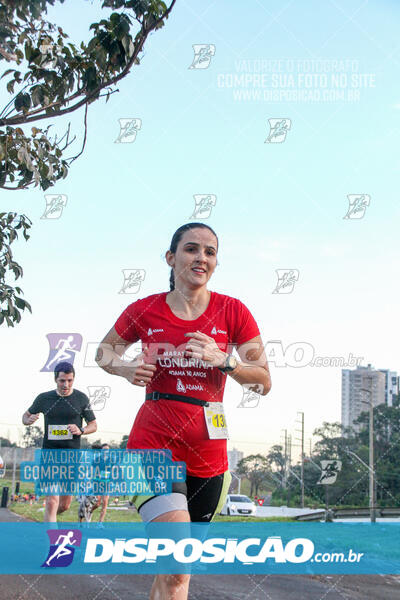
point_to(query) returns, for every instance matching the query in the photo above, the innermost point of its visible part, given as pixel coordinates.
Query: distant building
(381, 383)
(391, 385)
(234, 456)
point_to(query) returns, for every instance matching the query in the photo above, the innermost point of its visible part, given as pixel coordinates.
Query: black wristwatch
(82, 430)
(230, 364)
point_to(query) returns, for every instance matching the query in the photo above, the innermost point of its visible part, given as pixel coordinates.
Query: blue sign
(242, 548)
(102, 472)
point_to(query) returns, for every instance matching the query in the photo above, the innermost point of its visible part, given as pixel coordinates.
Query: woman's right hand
(142, 370)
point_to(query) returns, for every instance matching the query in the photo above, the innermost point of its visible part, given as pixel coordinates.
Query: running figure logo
(330, 470)
(62, 348)
(132, 280)
(203, 205)
(357, 205)
(98, 394)
(286, 280)
(251, 395)
(62, 542)
(203, 54)
(50, 53)
(128, 130)
(54, 206)
(278, 129)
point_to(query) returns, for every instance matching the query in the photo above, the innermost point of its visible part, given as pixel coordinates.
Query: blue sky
(278, 205)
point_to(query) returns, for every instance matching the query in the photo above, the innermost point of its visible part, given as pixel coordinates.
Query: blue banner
(102, 472)
(252, 548)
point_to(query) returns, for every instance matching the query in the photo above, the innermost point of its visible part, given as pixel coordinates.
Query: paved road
(6, 516)
(203, 587)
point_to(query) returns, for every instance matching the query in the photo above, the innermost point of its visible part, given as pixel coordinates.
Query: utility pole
(371, 462)
(14, 470)
(289, 454)
(302, 458)
(371, 451)
(285, 468)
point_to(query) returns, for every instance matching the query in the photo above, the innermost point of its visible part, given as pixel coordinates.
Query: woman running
(188, 335)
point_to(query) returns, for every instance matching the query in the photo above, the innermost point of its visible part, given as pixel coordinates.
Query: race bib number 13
(216, 421)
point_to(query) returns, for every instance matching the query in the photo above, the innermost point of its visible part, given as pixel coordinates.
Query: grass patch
(25, 487)
(35, 512)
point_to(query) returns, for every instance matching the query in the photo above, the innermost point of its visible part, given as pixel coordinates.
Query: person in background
(64, 410)
(89, 503)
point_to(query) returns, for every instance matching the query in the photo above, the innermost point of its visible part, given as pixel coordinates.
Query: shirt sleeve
(87, 412)
(245, 327)
(36, 406)
(127, 324)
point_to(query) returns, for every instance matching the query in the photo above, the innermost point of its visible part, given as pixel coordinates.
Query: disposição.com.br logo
(62, 547)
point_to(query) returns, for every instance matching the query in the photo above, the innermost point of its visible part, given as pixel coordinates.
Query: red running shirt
(170, 423)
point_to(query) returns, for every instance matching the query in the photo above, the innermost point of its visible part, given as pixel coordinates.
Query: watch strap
(227, 368)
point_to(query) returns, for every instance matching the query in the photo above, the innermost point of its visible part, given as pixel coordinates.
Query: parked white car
(238, 504)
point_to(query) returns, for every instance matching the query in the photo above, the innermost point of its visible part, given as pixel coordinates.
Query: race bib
(59, 432)
(216, 421)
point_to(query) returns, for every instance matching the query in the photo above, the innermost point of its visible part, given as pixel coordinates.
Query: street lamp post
(371, 456)
(367, 467)
(237, 479)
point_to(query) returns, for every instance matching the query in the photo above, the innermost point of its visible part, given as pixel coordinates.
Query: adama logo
(62, 542)
(214, 331)
(179, 386)
(151, 331)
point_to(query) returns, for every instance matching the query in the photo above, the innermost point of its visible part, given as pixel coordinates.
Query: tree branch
(7, 55)
(71, 160)
(35, 115)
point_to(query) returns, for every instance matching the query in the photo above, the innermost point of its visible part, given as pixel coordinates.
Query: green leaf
(45, 183)
(28, 50)
(37, 95)
(26, 101)
(19, 102)
(115, 19)
(10, 86)
(20, 303)
(7, 73)
(122, 29)
(93, 44)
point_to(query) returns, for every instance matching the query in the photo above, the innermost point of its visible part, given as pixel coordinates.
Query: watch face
(231, 363)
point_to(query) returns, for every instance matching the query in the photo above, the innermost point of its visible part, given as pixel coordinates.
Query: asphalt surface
(6, 516)
(202, 587)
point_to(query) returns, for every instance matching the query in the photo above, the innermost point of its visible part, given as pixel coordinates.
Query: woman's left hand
(205, 348)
